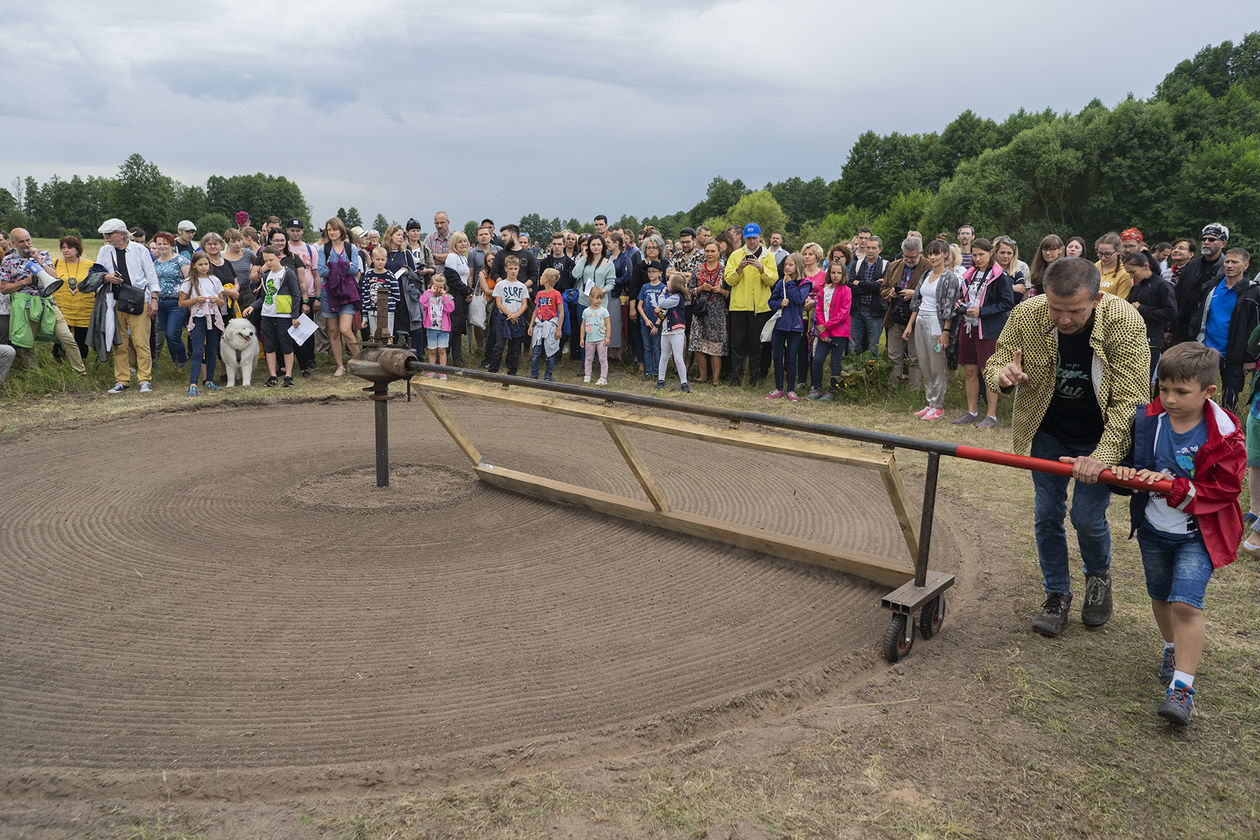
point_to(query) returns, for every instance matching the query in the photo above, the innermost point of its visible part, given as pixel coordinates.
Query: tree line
(141, 194)
(1168, 164)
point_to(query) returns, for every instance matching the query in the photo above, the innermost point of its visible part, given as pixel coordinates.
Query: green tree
(720, 196)
(1219, 182)
(759, 207)
(380, 223)
(904, 213)
(470, 230)
(142, 195)
(190, 202)
(352, 217)
(216, 222)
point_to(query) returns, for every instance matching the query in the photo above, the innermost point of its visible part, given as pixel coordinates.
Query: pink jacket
(835, 323)
(448, 306)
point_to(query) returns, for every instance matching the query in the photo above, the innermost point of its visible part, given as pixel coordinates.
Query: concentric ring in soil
(225, 589)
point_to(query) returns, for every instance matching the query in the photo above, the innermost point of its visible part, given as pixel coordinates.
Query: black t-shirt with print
(1073, 417)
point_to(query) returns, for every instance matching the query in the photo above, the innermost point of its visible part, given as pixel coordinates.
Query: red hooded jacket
(1212, 495)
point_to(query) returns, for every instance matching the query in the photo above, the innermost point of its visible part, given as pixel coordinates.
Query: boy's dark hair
(1136, 258)
(1189, 361)
(274, 250)
(511, 259)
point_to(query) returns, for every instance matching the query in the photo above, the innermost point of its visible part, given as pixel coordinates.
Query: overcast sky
(549, 106)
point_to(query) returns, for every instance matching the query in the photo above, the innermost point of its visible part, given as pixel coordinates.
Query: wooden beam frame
(657, 512)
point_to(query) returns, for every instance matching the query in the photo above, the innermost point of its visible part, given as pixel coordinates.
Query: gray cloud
(561, 108)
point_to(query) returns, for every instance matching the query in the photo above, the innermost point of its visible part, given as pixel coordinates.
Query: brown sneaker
(967, 419)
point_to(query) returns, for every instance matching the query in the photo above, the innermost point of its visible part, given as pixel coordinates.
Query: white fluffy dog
(239, 351)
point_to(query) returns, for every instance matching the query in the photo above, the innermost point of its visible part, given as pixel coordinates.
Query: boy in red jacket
(1185, 438)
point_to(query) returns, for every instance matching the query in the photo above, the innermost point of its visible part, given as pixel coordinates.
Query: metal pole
(381, 397)
(925, 524)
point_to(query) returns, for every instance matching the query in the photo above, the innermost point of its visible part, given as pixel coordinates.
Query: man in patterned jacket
(1080, 363)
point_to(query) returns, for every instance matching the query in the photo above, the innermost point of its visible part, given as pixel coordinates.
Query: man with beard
(686, 255)
(509, 235)
(439, 241)
(1196, 279)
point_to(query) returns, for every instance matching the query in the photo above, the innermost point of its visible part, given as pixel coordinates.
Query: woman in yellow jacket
(75, 304)
(751, 273)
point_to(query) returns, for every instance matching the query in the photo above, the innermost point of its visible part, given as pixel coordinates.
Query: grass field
(1022, 737)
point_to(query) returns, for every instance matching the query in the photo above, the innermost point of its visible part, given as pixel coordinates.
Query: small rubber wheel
(896, 645)
(932, 616)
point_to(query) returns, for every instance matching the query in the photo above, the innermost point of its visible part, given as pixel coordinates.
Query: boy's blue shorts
(1177, 566)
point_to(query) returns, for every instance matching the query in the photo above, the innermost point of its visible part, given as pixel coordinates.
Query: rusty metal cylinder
(382, 364)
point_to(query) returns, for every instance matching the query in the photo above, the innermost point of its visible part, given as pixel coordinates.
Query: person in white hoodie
(129, 264)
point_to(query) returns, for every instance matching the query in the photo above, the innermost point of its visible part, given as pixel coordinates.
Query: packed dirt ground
(251, 640)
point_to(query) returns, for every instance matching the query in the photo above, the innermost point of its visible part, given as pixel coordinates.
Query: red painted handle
(1023, 462)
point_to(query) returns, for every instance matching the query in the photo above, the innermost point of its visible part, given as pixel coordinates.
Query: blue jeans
(1178, 566)
(822, 348)
(1089, 518)
(651, 347)
(203, 342)
(535, 360)
(171, 320)
(784, 343)
(864, 331)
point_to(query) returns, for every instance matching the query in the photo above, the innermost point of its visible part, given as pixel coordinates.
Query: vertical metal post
(925, 524)
(381, 397)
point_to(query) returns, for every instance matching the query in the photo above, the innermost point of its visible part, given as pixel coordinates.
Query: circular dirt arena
(208, 601)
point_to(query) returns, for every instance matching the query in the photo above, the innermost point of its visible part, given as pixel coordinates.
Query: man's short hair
(874, 238)
(705, 228)
(865, 229)
(966, 227)
(1240, 252)
(1189, 361)
(510, 228)
(134, 231)
(914, 244)
(1066, 276)
(601, 218)
(1162, 246)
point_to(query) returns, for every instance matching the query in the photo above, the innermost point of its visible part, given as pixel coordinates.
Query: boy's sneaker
(146, 387)
(1096, 611)
(828, 397)
(934, 414)
(586, 379)
(774, 395)
(118, 388)
(686, 389)
(210, 386)
(288, 382)
(660, 384)
(968, 419)
(989, 422)
(1052, 619)
(791, 396)
(192, 390)
(443, 376)
(1178, 705)
(1167, 667)
(603, 380)
(271, 382)
(922, 411)
(814, 394)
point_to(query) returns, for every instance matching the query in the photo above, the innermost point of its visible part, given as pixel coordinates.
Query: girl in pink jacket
(831, 314)
(437, 307)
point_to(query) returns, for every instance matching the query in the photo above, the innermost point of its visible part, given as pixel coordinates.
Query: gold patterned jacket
(1120, 371)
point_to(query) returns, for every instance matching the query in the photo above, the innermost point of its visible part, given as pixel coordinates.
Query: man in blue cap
(750, 273)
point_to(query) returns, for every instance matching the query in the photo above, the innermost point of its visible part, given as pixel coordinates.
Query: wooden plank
(881, 570)
(901, 505)
(763, 441)
(628, 451)
(452, 428)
